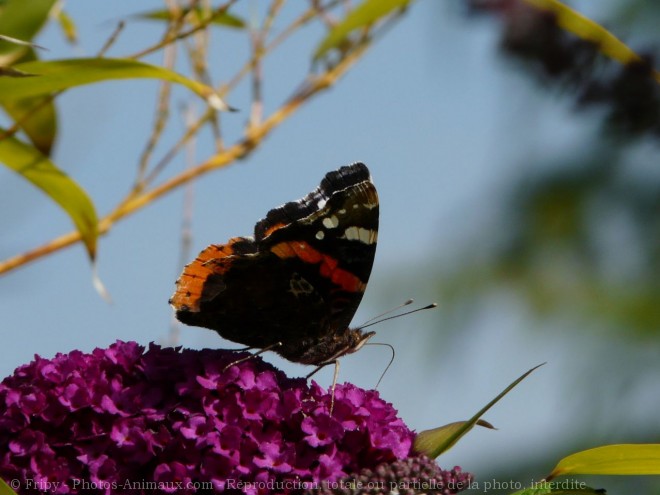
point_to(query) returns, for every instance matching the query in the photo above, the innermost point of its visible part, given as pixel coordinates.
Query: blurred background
(519, 178)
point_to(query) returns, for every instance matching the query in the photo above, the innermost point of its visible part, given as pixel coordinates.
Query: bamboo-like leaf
(16, 41)
(58, 75)
(219, 18)
(11, 72)
(365, 14)
(40, 171)
(585, 28)
(68, 27)
(623, 459)
(21, 19)
(37, 118)
(433, 443)
(447, 435)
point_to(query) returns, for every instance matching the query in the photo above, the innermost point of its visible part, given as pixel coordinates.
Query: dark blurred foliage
(629, 92)
(581, 231)
(586, 216)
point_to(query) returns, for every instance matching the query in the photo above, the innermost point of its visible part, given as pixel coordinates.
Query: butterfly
(294, 286)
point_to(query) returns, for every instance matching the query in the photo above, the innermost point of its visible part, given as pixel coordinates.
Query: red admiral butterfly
(296, 285)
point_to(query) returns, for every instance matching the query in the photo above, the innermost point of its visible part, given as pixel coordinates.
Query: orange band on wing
(190, 284)
(328, 268)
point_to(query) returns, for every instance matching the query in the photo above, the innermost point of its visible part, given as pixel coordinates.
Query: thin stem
(112, 39)
(303, 19)
(183, 34)
(162, 114)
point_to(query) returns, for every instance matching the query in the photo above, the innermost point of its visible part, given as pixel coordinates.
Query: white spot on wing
(365, 236)
(320, 235)
(330, 222)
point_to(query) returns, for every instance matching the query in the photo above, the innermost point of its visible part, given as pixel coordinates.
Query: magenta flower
(122, 420)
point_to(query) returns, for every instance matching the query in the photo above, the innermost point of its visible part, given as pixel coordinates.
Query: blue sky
(444, 124)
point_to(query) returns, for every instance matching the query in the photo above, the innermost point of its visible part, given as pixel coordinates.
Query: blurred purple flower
(122, 420)
(411, 476)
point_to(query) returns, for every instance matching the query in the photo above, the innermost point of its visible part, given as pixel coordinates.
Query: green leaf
(438, 440)
(588, 30)
(58, 75)
(16, 41)
(37, 118)
(35, 167)
(623, 459)
(68, 27)
(5, 488)
(365, 14)
(219, 18)
(446, 436)
(21, 19)
(11, 72)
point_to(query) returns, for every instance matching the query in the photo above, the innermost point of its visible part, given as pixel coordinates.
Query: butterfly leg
(334, 379)
(251, 356)
(334, 384)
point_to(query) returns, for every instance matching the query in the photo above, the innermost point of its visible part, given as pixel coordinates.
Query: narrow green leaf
(5, 489)
(447, 435)
(433, 443)
(58, 75)
(11, 72)
(219, 18)
(68, 27)
(365, 14)
(21, 19)
(37, 118)
(40, 171)
(585, 28)
(623, 459)
(16, 41)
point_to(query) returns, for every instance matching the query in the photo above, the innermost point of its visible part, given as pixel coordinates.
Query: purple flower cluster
(122, 420)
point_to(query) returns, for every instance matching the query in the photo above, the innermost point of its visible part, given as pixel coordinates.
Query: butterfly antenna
(408, 302)
(372, 322)
(382, 375)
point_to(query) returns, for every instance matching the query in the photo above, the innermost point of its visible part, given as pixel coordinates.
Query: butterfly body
(295, 286)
